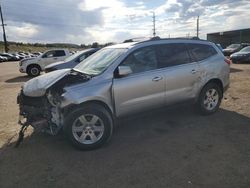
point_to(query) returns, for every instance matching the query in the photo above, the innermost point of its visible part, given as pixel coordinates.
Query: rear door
(59, 55)
(144, 88)
(180, 70)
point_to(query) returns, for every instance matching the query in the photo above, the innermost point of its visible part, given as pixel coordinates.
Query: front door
(144, 88)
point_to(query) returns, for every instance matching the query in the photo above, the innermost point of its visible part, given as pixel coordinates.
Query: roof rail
(137, 39)
(145, 39)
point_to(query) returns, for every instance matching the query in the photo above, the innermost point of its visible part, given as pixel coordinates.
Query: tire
(89, 127)
(209, 99)
(33, 70)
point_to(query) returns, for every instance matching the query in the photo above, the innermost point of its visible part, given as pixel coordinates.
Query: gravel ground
(172, 147)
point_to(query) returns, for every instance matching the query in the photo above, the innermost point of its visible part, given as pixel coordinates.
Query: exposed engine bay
(44, 113)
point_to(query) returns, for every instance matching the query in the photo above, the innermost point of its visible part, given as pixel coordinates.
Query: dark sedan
(71, 61)
(243, 56)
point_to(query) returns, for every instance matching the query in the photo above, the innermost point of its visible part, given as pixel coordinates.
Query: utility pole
(4, 35)
(154, 24)
(197, 28)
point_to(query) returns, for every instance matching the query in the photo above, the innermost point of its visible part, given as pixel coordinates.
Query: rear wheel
(33, 70)
(89, 127)
(209, 99)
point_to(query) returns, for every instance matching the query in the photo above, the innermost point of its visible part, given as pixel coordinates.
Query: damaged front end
(40, 100)
(42, 113)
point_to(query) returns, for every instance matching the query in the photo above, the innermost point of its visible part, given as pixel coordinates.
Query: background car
(234, 48)
(71, 61)
(2, 58)
(34, 65)
(9, 57)
(243, 56)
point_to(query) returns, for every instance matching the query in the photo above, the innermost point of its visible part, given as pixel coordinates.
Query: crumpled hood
(37, 87)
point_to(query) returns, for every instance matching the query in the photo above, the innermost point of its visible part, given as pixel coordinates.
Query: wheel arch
(81, 105)
(216, 81)
(213, 80)
(33, 64)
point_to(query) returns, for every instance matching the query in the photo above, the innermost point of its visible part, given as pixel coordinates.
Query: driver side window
(141, 60)
(48, 54)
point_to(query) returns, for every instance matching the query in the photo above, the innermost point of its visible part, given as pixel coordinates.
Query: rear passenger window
(201, 51)
(172, 54)
(59, 53)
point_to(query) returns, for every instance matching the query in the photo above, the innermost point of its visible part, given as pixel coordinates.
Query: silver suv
(120, 80)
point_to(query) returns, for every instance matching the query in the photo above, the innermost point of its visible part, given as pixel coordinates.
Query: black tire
(93, 109)
(33, 70)
(202, 108)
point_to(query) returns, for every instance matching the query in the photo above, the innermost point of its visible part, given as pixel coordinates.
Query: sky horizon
(88, 21)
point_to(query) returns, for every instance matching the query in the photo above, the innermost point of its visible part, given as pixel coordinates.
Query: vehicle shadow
(18, 79)
(234, 70)
(168, 146)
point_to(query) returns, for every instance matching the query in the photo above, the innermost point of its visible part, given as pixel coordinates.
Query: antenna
(154, 24)
(197, 27)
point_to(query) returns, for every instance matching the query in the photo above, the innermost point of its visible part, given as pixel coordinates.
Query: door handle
(55, 57)
(193, 71)
(157, 78)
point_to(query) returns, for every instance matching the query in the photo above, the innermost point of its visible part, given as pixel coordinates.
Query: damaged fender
(37, 87)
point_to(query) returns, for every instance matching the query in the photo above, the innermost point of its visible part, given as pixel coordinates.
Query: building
(225, 38)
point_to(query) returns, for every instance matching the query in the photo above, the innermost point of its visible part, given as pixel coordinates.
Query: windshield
(70, 58)
(99, 61)
(234, 46)
(246, 49)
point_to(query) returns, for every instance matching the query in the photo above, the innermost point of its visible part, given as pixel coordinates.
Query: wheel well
(70, 108)
(216, 81)
(34, 65)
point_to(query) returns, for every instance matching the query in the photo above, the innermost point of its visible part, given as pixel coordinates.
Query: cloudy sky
(88, 21)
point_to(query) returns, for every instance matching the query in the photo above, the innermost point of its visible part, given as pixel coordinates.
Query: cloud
(87, 21)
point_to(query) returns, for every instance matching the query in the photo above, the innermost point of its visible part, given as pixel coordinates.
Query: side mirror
(124, 71)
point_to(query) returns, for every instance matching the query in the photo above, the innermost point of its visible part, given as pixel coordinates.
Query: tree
(95, 45)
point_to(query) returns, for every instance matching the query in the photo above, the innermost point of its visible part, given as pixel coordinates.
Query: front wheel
(89, 127)
(33, 70)
(209, 99)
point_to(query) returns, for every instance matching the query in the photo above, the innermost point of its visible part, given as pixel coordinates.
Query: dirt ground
(173, 147)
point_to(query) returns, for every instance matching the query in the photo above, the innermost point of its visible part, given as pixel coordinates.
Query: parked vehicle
(21, 55)
(71, 61)
(2, 58)
(33, 66)
(37, 53)
(234, 48)
(9, 57)
(17, 58)
(121, 80)
(243, 56)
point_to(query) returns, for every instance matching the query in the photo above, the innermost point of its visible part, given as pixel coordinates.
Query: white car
(34, 66)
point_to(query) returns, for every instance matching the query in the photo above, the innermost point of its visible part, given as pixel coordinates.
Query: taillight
(227, 61)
